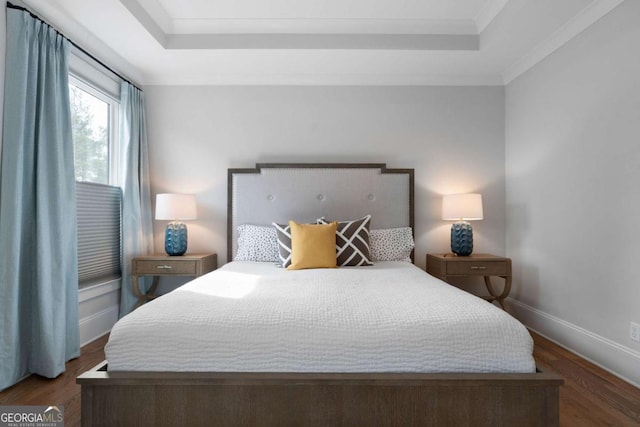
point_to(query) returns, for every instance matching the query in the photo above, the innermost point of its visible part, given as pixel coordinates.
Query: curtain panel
(137, 233)
(39, 272)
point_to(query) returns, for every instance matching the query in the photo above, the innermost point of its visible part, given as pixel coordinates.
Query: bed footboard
(276, 399)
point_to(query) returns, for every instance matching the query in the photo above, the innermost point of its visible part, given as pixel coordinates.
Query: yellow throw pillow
(313, 245)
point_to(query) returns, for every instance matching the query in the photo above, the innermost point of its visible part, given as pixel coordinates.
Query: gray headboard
(304, 192)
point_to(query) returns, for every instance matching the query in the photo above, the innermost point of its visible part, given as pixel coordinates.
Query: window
(94, 124)
(93, 119)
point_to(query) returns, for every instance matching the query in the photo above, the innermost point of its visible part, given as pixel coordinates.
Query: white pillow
(391, 244)
(257, 243)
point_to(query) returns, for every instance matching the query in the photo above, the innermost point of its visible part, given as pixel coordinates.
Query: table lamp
(462, 208)
(175, 208)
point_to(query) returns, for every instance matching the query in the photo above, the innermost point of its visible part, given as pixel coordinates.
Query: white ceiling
(322, 42)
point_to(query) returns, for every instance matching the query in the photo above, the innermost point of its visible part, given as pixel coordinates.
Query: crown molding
(589, 15)
(488, 12)
(150, 9)
(60, 20)
(384, 34)
(297, 79)
(324, 41)
(145, 10)
(323, 26)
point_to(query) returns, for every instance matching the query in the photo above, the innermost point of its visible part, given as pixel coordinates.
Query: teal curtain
(38, 246)
(137, 233)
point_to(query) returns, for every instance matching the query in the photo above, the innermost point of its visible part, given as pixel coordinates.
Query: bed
(345, 346)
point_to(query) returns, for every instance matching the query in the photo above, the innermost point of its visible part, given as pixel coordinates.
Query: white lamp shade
(175, 206)
(462, 206)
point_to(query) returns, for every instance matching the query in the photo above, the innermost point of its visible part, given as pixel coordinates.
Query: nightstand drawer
(153, 267)
(477, 268)
(447, 267)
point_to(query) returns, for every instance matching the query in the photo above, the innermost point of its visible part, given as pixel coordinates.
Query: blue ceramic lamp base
(175, 238)
(461, 238)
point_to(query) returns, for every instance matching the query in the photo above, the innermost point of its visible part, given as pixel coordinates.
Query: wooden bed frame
(286, 399)
(322, 399)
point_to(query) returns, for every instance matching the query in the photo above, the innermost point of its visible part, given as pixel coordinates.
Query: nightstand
(165, 265)
(446, 266)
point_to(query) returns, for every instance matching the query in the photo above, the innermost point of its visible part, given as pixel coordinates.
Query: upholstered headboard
(304, 192)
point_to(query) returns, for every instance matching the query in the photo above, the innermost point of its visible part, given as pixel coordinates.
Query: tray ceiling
(323, 42)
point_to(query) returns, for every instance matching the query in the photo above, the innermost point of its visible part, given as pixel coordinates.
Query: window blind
(99, 210)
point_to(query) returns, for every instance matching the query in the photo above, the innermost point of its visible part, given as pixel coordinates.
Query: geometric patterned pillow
(352, 242)
(256, 243)
(283, 233)
(392, 244)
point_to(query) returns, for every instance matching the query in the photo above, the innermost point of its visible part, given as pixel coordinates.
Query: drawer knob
(478, 267)
(164, 267)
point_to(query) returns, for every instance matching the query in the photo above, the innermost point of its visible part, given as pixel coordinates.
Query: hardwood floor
(590, 396)
(36, 390)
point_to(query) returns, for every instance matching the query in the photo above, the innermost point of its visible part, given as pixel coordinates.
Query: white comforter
(391, 317)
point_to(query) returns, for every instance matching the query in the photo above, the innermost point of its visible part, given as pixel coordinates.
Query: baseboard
(611, 356)
(98, 324)
(99, 304)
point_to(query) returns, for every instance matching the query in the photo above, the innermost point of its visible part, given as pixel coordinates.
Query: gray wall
(452, 136)
(573, 204)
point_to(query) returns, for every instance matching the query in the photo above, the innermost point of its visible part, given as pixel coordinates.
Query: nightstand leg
(154, 286)
(136, 286)
(505, 290)
(142, 297)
